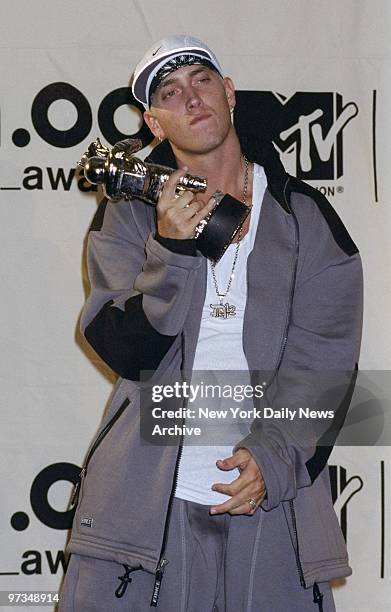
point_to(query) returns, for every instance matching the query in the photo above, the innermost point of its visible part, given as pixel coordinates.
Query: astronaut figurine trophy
(124, 176)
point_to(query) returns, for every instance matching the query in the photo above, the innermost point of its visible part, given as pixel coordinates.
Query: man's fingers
(224, 464)
(244, 485)
(248, 485)
(244, 509)
(239, 504)
(227, 506)
(231, 488)
(231, 505)
(168, 191)
(182, 202)
(239, 459)
(178, 217)
(192, 207)
(204, 210)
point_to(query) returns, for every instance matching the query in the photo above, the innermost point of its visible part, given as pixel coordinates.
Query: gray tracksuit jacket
(303, 316)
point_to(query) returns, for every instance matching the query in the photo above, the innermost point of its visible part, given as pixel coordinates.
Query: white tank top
(220, 347)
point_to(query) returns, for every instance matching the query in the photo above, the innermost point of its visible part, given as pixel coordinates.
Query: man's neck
(223, 166)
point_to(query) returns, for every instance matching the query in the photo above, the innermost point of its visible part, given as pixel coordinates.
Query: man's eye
(169, 94)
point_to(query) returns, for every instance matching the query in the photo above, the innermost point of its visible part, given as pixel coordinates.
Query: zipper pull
(318, 596)
(158, 582)
(76, 488)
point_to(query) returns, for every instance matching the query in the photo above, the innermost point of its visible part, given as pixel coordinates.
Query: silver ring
(253, 503)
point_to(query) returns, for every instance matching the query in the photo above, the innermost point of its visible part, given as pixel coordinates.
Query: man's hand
(178, 216)
(249, 485)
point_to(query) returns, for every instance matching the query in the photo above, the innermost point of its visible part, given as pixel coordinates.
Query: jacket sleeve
(140, 290)
(319, 360)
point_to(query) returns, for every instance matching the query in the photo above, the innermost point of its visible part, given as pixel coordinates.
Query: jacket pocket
(96, 443)
(125, 492)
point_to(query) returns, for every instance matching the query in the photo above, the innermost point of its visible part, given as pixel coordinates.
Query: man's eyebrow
(197, 70)
(174, 79)
(167, 82)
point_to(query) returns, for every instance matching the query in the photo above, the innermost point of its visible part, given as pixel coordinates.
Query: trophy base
(220, 229)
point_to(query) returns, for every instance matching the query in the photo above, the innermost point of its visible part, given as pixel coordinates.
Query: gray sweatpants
(216, 564)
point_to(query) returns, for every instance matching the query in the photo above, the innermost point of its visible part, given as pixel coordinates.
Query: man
(204, 528)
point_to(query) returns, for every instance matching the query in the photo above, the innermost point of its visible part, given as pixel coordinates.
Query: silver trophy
(124, 176)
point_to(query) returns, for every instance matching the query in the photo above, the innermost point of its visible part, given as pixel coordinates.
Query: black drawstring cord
(125, 580)
(318, 597)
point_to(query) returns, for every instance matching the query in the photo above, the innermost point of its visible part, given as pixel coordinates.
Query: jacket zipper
(285, 339)
(318, 596)
(280, 357)
(99, 439)
(296, 547)
(292, 289)
(158, 581)
(289, 313)
(162, 560)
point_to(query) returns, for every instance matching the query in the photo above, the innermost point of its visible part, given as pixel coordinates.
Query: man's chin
(201, 147)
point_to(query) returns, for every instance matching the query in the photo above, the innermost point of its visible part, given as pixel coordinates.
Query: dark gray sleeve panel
(184, 247)
(140, 290)
(326, 443)
(336, 226)
(126, 340)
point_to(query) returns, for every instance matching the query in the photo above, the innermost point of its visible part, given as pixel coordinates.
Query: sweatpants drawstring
(318, 597)
(125, 580)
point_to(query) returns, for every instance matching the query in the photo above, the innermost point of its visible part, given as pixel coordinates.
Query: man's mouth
(198, 118)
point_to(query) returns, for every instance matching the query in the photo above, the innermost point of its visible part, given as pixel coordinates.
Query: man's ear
(230, 92)
(153, 125)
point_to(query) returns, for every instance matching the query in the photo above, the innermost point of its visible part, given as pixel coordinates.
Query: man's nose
(193, 99)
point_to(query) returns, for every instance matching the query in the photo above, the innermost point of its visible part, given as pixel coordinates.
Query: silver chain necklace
(225, 310)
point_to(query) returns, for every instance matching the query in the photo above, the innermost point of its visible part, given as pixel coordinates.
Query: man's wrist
(182, 247)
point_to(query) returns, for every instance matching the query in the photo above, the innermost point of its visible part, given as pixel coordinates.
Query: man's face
(191, 108)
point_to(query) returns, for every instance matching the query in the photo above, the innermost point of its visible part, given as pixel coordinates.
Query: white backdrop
(59, 62)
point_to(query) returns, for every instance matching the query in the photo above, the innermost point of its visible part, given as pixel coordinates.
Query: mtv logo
(308, 125)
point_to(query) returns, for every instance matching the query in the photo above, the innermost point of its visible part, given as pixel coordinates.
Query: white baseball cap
(162, 52)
